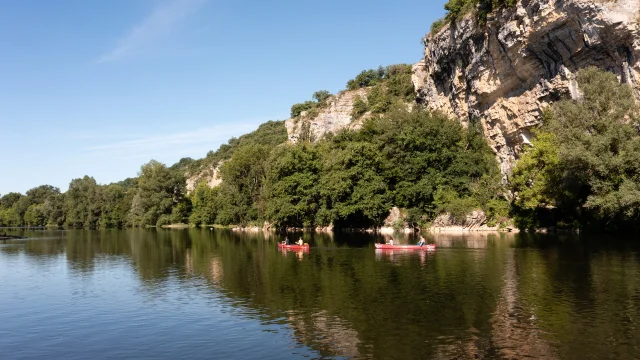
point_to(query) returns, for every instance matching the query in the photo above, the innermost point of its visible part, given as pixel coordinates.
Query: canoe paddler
(300, 242)
(286, 241)
(422, 241)
(391, 241)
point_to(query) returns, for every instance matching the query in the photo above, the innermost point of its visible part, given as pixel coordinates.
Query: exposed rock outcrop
(211, 175)
(506, 72)
(330, 119)
(475, 221)
(396, 222)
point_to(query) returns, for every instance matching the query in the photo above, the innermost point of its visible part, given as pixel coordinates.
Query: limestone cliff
(330, 119)
(210, 175)
(505, 72)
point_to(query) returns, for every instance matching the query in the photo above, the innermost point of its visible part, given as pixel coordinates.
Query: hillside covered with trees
(583, 169)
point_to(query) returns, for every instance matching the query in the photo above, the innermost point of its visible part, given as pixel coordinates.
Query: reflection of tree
(515, 333)
(329, 334)
(473, 240)
(344, 297)
(477, 298)
(155, 252)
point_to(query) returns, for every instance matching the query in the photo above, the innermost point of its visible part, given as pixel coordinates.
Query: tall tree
(159, 190)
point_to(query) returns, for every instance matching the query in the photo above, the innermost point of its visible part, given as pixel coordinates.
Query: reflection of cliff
(470, 241)
(330, 334)
(515, 333)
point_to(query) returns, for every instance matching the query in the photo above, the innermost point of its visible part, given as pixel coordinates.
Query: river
(201, 294)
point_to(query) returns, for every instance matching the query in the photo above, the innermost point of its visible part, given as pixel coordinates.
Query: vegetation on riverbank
(584, 167)
(420, 161)
(582, 171)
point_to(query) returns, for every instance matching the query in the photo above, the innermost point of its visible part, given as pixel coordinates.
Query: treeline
(584, 167)
(426, 163)
(156, 197)
(583, 171)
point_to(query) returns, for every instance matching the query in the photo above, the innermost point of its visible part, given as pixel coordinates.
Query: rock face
(475, 221)
(505, 73)
(210, 175)
(331, 119)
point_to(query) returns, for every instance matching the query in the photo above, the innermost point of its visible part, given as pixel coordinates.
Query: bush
(456, 9)
(497, 211)
(367, 78)
(321, 96)
(360, 107)
(449, 201)
(163, 220)
(319, 100)
(378, 100)
(297, 109)
(438, 25)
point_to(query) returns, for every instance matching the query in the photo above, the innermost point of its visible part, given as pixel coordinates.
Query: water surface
(215, 294)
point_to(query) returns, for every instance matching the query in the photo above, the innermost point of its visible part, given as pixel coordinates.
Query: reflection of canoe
(427, 247)
(10, 237)
(294, 247)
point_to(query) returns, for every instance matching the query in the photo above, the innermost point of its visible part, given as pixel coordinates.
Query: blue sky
(101, 87)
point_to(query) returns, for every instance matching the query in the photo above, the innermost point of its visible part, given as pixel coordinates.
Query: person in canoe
(390, 242)
(286, 241)
(422, 241)
(300, 242)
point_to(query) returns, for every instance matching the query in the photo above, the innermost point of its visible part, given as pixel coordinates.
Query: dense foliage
(311, 107)
(390, 86)
(416, 160)
(269, 134)
(156, 197)
(584, 167)
(403, 159)
(582, 170)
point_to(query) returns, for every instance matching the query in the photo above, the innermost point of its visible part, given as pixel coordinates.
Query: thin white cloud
(163, 21)
(194, 143)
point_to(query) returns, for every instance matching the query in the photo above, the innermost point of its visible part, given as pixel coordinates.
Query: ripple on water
(221, 298)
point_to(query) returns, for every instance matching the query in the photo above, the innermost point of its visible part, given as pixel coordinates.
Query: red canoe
(294, 247)
(427, 247)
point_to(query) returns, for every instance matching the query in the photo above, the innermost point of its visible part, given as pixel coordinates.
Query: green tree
(159, 190)
(291, 191)
(205, 204)
(585, 165)
(35, 216)
(360, 107)
(321, 96)
(9, 199)
(40, 194)
(10, 217)
(242, 182)
(115, 206)
(297, 109)
(54, 211)
(83, 203)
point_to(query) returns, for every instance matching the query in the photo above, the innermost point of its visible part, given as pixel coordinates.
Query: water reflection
(477, 296)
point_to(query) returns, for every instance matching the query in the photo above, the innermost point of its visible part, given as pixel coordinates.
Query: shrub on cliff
(456, 9)
(319, 100)
(360, 107)
(297, 109)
